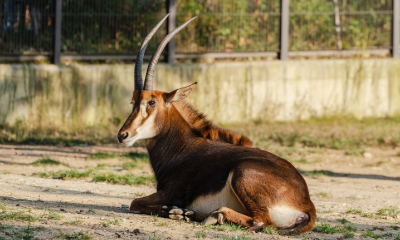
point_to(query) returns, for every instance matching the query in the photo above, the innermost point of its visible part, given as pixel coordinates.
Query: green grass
(354, 211)
(26, 233)
(166, 224)
(80, 236)
(130, 165)
(325, 228)
(47, 161)
(5, 172)
(155, 217)
(107, 222)
(315, 151)
(227, 226)
(270, 230)
(343, 221)
(128, 179)
(52, 215)
(391, 211)
(348, 235)
(200, 235)
(18, 216)
(371, 234)
(360, 212)
(131, 155)
(74, 223)
(2, 207)
(347, 228)
(318, 173)
(237, 237)
(394, 227)
(125, 179)
(66, 174)
(323, 195)
(397, 237)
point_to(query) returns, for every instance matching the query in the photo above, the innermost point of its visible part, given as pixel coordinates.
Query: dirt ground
(367, 181)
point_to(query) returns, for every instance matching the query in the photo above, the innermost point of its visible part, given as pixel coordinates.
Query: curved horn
(139, 58)
(148, 82)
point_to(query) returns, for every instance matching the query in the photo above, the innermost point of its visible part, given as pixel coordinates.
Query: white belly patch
(225, 198)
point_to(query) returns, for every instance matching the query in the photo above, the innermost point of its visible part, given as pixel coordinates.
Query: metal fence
(104, 29)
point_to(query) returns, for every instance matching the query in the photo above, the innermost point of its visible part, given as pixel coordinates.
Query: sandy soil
(367, 181)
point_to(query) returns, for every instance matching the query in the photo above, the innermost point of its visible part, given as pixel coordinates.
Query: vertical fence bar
(171, 24)
(284, 31)
(57, 32)
(396, 29)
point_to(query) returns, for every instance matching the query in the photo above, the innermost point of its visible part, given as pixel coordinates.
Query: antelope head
(150, 107)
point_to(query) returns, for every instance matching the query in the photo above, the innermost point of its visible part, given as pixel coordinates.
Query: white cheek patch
(147, 130)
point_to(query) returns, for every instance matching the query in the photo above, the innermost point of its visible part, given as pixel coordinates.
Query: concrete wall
(81, 95)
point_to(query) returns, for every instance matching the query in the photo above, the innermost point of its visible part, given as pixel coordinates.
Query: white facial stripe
(147, 130)
(143, 111)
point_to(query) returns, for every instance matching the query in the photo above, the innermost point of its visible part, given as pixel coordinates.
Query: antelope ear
(178, 94)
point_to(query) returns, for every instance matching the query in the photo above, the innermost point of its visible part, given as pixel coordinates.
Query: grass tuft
(66, 174)
(391, 211)
(227, 226)
(200, 235)
(270, 230)
(371, 234)
(325, 228)
(318, 173)
(323, 195)
(80, 236)
(18, 216)
(47, 161)
(128, 179)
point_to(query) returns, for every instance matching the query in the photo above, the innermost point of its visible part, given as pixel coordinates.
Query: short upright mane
(206, 129)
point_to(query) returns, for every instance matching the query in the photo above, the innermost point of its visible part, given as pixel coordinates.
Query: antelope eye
(151, 103)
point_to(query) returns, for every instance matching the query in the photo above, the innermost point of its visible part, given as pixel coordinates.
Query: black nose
(123, 136)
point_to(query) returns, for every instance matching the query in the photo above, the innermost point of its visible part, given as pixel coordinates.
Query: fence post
(396, 29)
(171, 24)
(57, 32)
(284, 30)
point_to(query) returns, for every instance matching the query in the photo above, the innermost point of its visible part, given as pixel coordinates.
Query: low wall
(82, 95)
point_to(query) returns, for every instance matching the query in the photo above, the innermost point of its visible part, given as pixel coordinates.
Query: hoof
(175, 217)
(210, 220)
(176, 211)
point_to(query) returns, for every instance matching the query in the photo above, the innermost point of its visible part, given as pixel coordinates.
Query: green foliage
(397, 237)
(47, 161)
(394, 227)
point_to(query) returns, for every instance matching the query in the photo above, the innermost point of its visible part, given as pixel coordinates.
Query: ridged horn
(148, 81)
(139, 58)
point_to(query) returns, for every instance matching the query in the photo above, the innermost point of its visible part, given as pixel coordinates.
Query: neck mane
(189, 132)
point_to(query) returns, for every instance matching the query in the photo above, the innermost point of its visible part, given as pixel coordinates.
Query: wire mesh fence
(94, 27)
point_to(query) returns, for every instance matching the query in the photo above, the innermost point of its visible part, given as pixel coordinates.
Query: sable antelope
(207, 173)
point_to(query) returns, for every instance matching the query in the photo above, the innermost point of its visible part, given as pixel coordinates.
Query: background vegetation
(103, 26)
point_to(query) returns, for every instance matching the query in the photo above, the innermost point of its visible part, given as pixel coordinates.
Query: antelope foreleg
(158, 204)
